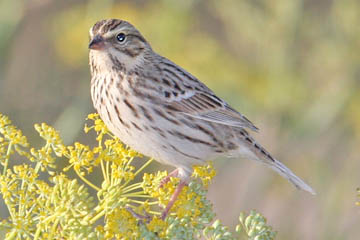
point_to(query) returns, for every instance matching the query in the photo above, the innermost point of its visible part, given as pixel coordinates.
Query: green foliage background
(292, 67)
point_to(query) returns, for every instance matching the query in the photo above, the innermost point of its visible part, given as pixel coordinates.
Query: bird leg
(167, 178)
(173, 198)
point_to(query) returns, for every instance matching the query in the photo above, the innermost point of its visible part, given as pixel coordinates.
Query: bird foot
(168, 177)
(173, 199)
(142, 218)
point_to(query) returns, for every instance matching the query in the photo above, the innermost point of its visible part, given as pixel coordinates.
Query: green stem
(97, 216)
(129, 162)
(141, 202)
(53, 228)
(37, 167)
(143, 166)
(87, 181)
(136, 195)
(107, 171)
(112, 179)
(7, 158)
(37, 233)
(103, 170)
(139, 170)
(154, 212)
(131, 187)
(13, 218)
(12, 235)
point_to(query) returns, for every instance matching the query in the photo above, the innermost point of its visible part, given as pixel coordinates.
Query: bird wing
(186, 94)
(208, 107)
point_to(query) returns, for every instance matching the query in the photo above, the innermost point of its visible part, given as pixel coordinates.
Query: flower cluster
(252, 227)
(62, 208)
(10, 139)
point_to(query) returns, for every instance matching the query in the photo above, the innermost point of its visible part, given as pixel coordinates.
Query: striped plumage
(161, 110)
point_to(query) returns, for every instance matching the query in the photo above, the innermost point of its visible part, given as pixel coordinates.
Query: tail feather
(289, 175)
(264, 157)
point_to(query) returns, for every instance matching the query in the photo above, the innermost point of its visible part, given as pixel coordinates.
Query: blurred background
(292, 67)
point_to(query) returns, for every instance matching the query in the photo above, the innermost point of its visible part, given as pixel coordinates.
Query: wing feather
(189, 96)
(209, 108)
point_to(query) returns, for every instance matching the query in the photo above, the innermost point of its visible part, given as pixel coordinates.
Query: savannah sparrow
(164, 112)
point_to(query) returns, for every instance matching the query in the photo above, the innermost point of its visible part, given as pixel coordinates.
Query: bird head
(114, 42)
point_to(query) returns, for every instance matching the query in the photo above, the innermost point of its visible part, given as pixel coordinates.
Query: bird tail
(289, 175)
(264, 157)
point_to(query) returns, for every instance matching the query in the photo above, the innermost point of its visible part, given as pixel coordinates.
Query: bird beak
(97, 43)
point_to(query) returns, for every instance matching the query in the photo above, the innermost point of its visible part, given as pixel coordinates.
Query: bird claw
(163, 215)
(142, 218)
(147, 218)
(166, 179)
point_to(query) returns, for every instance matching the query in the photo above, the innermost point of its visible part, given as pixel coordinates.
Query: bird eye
(120, 37)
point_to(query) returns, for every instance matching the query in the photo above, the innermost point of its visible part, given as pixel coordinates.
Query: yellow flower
(120, 224)
(61, 208)
(158, 226)
(205, 172)
(11, 133)
(52, 138)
